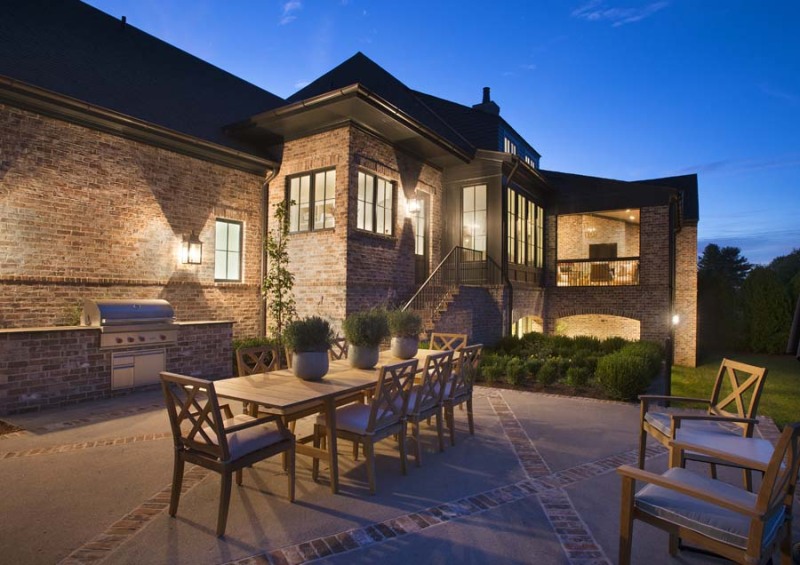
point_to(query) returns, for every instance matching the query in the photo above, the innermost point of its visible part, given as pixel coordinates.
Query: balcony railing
(591, 272)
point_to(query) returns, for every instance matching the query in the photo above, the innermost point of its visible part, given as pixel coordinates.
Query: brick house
(115, 147)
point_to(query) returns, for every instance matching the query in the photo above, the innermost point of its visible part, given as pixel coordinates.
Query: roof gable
(76, 50)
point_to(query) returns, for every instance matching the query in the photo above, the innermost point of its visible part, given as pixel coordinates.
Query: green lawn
(780, 399)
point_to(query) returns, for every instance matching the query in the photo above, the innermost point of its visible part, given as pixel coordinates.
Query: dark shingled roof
(360, 69)
(687, 184)
(73, 49)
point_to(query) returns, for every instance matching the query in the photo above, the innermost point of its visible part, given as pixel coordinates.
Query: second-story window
(509, 146)
(375, 204)
(313, 197)
(525, 231)
(473, 217)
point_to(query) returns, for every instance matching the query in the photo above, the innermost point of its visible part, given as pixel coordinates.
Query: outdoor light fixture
(191, 250)
(413, 206)
(675, 319)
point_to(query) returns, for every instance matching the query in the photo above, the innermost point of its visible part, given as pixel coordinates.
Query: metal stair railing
(461, 266)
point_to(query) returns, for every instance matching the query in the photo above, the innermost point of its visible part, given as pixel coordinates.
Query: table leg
(333, 455)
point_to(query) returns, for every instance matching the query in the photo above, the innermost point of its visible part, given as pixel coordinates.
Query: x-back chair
(257, 359)
(427, 398)
(728, 415)
(459, 387)
(448, 342)
(739, 525)
(225, 444)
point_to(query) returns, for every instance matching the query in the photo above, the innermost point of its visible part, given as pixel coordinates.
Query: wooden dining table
(283, 394)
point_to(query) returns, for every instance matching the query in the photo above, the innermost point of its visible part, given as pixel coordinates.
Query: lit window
(419, 223)
(525, 231)
(228, 251)
(530, 161)
(375, 210)
(313, 201)
(509, 146)
(473, 218)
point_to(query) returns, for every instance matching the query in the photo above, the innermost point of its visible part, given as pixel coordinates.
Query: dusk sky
(625, 89)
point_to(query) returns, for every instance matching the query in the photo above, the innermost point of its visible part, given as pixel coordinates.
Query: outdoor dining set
(362, 406)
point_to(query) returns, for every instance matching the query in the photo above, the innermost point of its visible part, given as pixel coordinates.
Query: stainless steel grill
(130, 323)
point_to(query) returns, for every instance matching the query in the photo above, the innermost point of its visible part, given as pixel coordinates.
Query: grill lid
(126, 312)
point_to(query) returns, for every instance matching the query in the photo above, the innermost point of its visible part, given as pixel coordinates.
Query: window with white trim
(509, 146)
(525, 231)
(375, 210)
(313, 204)
(228, 251)
(473, 217)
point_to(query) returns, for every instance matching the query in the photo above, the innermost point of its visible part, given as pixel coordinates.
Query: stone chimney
(487, 105)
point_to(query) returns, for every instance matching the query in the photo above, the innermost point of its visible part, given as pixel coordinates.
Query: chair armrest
(226, 410)
(252, 423)
(678, 418)
(659, 480)
(727, 456)
(646, 399)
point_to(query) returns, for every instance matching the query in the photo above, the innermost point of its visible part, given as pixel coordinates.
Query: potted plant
(309, 340)
(364, 331)
(404, 327)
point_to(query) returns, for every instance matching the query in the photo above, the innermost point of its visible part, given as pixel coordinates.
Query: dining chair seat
(247, 440)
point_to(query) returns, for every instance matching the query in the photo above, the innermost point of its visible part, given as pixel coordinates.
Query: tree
(726, 262)
(279, 280)
(720, 275)
(768, 313)
(786, 266)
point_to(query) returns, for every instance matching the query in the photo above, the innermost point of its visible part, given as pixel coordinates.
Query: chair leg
(748, 479)
(369, 455)
(451, 425)
(403, 453)
(315, 460)
(355, 450)
(417, 448)
(239, 477)
(439, 430)
(290, 461)
(469, 417)
(177, 483)
(713, 470)
(626, 522)
(674, 544)
(642, 445)
(224, 502)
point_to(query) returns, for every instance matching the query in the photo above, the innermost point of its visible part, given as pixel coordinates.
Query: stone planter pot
(405, 347)
(362, 357)
(310, 365)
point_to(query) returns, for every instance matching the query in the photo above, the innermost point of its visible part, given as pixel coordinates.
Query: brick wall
(576, 232)
(87, 214)
(686, 297)
(599, 326)
(480, 312)
(47, 368)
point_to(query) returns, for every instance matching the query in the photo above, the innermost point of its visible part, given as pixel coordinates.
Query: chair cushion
(757, 449)
(248, 440)
(703, 517)
(352, 418)
(662, 422)
(427, 404)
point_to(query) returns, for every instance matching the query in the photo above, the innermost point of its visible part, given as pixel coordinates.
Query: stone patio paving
(536, 484)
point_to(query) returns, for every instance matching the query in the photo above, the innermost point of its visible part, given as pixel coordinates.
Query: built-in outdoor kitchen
(121, 345)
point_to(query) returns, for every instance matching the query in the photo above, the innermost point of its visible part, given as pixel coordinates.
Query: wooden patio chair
(385, 416)
(204, 437)
(459, 388)
(743, 381)
(426, 399)
(716, 516)
(257, 359)
(338, 349)
(448, 342)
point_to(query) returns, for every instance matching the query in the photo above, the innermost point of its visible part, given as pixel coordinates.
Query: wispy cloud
(528, 67)
(602, 11)
(736, 166)
(773, 92)
(301, 84)
(289, 9)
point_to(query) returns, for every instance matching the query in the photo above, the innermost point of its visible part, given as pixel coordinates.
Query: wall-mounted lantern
(676, 319)
(413, 206)
(191, 250)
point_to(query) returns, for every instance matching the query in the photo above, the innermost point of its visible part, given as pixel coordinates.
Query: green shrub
(623, 376)
(492, 367)
(652, 352)
(367, 328)
(404, 323)
(612, 344)
(549, 373)
(578, 376)
(532, 366)
(249, 342)
(509, 344)
(515, 371)
(308, 334)
(587, 343)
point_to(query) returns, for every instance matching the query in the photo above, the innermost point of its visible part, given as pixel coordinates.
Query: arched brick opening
(598, 325)
(528, 324)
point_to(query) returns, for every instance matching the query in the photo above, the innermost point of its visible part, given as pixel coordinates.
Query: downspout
(504, 244)
(674, 228)
(262, 303)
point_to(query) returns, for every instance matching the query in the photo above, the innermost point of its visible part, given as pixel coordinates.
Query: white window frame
(228, 250)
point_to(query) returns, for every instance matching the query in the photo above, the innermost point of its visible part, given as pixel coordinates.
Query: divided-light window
(525, 231)
(228, 251)
(313, 201)
(375, 210)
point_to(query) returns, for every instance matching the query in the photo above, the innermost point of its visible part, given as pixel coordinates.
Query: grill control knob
(119, 340)
(162, 337)
(141, 338)
(130, 340)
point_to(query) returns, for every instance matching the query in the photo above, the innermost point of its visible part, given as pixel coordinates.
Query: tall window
(525, 231)
(313, 198)
(228, 251)
(473, 217)
(509, 146)
(375, 211)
